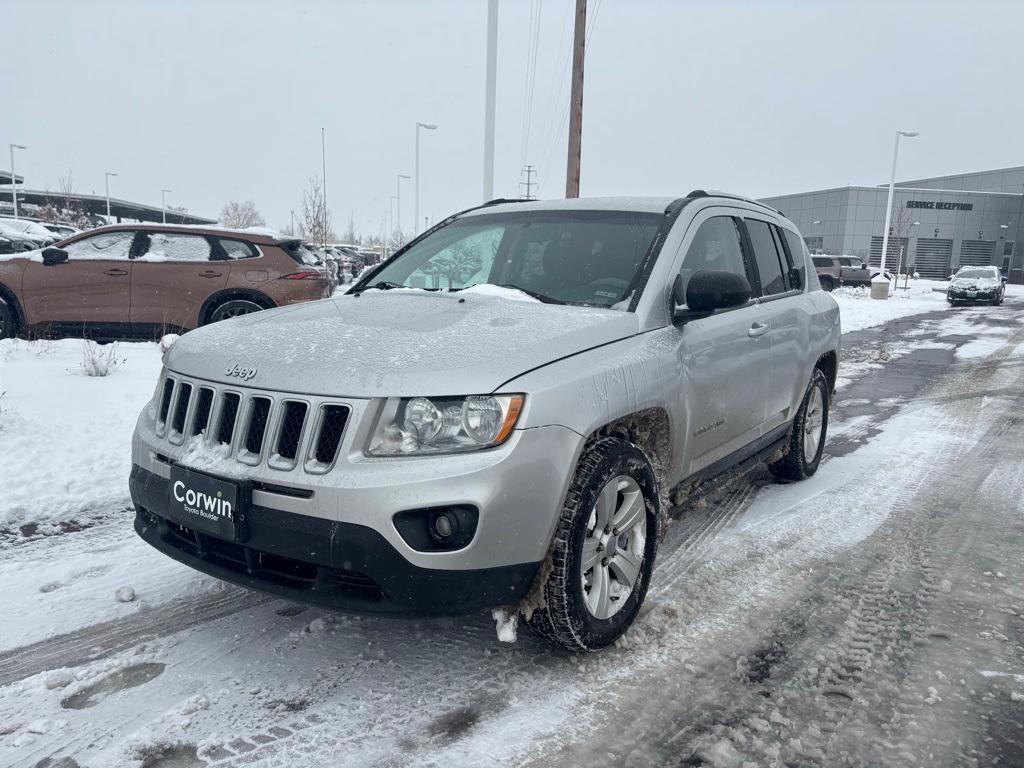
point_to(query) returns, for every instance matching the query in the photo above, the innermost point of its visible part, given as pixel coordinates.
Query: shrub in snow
(98, 360)
(167, 340)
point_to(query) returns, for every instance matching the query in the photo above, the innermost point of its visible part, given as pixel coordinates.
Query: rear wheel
(807, 438)
(233, 308)
(604, 549)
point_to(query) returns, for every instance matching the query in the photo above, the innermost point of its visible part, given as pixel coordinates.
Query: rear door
(725, 358)
(781, 295)
(854, 271)
(92, 286)
(172, 276)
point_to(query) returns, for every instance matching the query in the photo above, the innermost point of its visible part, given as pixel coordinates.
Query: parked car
(62, 231)
(18, 239)
(974, 284)
(513, 433)
(144, 280)
(39, 234)
(834, 271)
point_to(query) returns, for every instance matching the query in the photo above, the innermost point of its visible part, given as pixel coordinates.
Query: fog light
(443, 527)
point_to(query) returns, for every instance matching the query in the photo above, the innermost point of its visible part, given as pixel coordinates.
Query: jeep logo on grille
(241, 372)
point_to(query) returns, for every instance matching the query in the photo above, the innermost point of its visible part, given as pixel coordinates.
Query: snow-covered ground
(130, 659)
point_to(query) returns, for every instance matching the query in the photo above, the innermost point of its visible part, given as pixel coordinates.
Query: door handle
(116, 272)
(757, 329)
(210, 273)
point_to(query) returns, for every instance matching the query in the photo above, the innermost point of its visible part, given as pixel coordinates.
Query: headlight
(424, 425)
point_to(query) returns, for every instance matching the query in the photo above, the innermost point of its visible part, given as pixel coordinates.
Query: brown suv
(144, 280)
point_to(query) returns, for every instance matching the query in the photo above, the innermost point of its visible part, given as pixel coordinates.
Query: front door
(92, 286)
(725, 358)
(172, 277)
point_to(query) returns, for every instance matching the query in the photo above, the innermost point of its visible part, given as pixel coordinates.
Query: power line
(533, 46)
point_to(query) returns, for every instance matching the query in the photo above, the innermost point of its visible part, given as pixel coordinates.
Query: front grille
(253, 428)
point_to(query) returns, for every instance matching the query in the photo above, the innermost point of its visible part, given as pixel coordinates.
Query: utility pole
(572, 171)
(489, 97)
(529, 171)
(323, 159)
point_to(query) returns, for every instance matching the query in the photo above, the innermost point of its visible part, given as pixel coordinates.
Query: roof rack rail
(503, 200)
(728, 196)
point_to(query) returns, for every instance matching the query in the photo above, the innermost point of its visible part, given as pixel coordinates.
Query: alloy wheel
(814, 420)
(613, 547)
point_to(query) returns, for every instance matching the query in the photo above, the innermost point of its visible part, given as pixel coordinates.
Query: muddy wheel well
(649, 430)
(829, 366)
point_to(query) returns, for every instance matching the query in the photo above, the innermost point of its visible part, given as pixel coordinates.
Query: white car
(36, 232)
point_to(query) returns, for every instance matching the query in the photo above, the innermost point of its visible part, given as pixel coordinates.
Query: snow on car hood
(395, 343)
(973, 282)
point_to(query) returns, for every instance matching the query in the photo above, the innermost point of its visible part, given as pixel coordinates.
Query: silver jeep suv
(498, 415)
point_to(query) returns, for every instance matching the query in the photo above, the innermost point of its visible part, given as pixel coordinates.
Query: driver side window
(715, 248)
(105, 247)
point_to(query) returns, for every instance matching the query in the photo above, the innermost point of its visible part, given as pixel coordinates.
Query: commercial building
(938, 224)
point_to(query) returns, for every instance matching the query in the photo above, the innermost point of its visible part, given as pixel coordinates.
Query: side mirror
(53, 256)
(708, 291)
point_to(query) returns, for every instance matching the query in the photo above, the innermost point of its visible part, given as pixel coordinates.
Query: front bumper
(979, 296)
(314, 560)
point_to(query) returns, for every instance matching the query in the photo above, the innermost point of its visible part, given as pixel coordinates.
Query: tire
(232, 308)
(827, 284)
(803, 454)
(8, 321)
(613, 478)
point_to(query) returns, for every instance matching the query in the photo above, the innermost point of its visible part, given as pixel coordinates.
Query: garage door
(932, 258)
(897, 249)
(977, 253)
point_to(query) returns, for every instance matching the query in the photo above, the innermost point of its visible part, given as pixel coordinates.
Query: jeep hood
(395, 343)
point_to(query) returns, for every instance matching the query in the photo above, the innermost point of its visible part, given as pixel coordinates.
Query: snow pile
(486, 289)
(858, 310)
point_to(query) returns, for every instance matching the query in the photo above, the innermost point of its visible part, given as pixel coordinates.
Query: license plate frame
(209, 504)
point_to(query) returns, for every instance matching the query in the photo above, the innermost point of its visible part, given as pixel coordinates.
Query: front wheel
(807, 438)
(7, 321)
(604, 549)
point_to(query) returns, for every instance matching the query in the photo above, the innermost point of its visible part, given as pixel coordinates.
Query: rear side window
(237, 249)
(171, 246)
(769, 267)
(823, 263)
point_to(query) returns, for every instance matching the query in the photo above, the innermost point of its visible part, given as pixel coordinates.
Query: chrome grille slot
(290, 433)
(181, 403)
(327, 437)
(165, 405)
(254, 429)
(204, 407)
(228, 415)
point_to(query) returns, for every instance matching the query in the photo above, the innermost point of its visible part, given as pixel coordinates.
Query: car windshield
(976, 273)
(589, 258)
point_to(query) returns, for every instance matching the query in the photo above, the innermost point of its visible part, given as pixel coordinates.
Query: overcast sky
(225, 100)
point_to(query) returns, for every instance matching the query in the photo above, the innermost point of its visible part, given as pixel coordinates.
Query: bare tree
(350, 231)
(241, 215)
(461, 262)
(315, 224)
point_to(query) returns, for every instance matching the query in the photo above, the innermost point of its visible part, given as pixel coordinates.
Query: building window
(815, 244)
(1008, 248)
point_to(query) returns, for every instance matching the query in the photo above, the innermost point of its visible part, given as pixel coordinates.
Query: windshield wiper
(383, 285)
(534, 294)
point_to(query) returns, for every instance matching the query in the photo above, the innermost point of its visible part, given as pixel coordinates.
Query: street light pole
(106, 181)
(882, 289)
(163, 203)
(489, 97)
(14, 179)
(416, 197)
(398, 185)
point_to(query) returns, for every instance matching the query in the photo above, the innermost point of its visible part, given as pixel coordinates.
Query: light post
(106, 181)
(879, 284)
(416, 204)
(14, 179)
(398, 186)
(163, 203)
